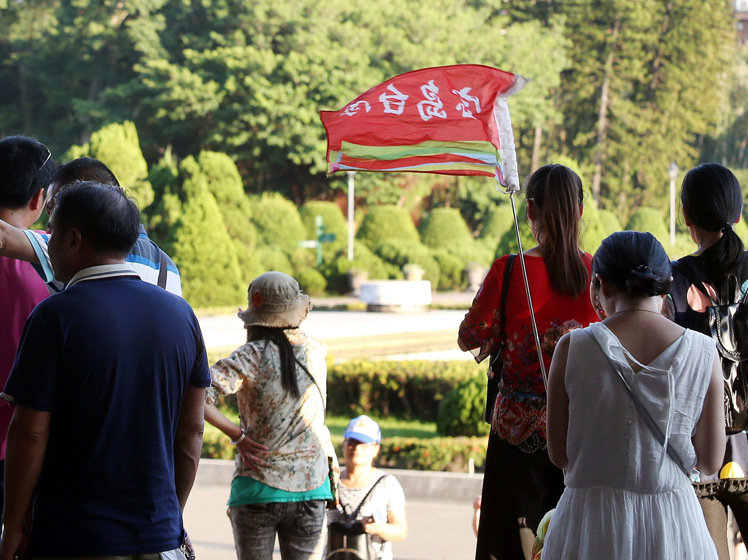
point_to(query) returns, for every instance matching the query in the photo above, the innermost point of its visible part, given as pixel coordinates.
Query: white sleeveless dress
(625, 498)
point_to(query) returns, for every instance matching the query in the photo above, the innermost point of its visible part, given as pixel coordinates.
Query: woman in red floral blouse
(520, 483)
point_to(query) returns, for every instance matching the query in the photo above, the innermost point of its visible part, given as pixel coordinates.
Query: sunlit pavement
(438, 528)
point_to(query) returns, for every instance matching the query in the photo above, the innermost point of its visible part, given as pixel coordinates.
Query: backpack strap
(687, 270)
(729, 288)
(161, 282)
(363, 500)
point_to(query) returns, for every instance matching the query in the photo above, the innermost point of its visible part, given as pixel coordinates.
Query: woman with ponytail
(712, 204)
(520, 484)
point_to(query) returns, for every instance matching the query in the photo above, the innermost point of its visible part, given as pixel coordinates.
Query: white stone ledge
(396, 295)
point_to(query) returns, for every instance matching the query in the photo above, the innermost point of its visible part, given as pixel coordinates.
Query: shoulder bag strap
(321, 396)
(502, 309)
(161, 282)
(366, 496)
(648, 420)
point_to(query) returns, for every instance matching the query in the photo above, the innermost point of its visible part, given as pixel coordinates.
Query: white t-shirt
(387, 496)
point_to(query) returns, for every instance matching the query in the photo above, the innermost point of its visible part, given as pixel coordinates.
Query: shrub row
(406, 389)
(435, 454)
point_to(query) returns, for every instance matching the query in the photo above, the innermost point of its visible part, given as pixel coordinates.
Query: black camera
(352, 527)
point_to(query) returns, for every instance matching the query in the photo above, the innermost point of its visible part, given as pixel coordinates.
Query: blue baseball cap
(363, 429)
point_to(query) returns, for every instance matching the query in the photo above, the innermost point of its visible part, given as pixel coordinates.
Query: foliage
(332, 220)
(311, 281)
(651, 220)
(444, 228)
(273, 259)
(499, 219)
(435, 454)
(386, 223)
(407, 389)
(118, 146)
(277, 221)
(202, 246)
(336, 268)
(401, 253)
(451, 270)
(461, 411)
(225, 184)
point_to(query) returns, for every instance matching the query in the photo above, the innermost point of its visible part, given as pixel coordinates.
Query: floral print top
(293, 429)
(520, 408)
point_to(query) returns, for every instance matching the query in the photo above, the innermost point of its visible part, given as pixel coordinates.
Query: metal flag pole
(527, 290)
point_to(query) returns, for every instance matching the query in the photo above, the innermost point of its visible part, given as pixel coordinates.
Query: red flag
(449, 119)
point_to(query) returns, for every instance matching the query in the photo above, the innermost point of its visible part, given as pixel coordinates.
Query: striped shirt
(144, 259)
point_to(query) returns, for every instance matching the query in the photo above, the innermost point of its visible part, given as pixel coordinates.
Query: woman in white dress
(627, 496)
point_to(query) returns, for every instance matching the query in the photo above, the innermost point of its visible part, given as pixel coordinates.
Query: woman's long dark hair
(557, 193)
(712, 199)
(287, 358)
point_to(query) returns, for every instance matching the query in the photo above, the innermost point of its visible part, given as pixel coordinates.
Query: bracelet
(241, 438)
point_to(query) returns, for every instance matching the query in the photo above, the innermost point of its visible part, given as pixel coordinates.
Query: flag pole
(527, 291)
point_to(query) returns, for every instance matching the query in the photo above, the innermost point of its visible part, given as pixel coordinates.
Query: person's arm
(709, 438)
(477, 329)
(558, 405)
(396, 528)
(188, 442)
(15, 245)
(26, 445)
(252, 453)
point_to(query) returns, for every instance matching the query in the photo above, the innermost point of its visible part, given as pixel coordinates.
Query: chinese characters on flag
(449, 119)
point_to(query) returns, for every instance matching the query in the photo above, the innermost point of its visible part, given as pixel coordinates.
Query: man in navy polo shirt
(109, 385)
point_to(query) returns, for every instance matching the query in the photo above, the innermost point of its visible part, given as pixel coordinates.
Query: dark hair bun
(635, 263)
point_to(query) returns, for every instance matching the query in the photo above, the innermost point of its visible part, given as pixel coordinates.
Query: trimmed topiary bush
(400, 253)
(311, 281)
(498, 221)
(225, 183)
(444, 228)
(273, 259)
(407, 389)
(203, 246)
(118, 146)
(461, 411)
(451, 270)
(651, 220)
(332, 219)
(277, 221)
(386, 223)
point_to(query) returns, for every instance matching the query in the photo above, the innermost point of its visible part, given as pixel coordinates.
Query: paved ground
(430, 334)
(438, 508)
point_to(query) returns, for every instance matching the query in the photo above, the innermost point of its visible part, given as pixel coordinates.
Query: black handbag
(346, 538)
(495, 363)
(728, 326)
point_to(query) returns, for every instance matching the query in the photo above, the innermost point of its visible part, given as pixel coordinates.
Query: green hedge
(407, 389)
(434, 454)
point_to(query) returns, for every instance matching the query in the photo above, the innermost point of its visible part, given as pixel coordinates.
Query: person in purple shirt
(26, 167)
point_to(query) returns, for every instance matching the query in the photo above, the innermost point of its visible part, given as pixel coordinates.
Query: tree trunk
(537, 141)
(602, 116)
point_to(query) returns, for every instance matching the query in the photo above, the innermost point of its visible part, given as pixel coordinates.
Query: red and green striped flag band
(452, 120)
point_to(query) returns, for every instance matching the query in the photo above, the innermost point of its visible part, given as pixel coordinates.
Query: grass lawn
(391, 427)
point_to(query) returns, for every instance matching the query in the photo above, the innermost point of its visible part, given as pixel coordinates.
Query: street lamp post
(672, 171)
(351, 222)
